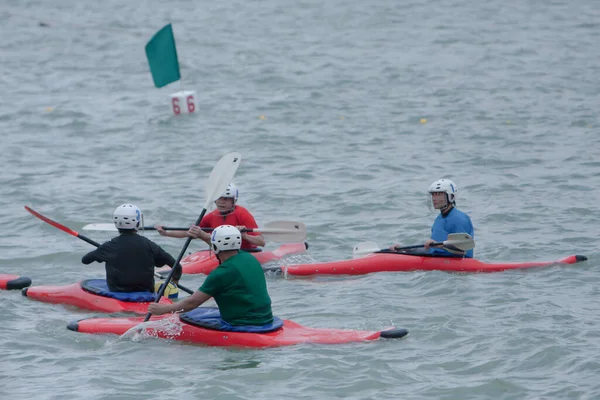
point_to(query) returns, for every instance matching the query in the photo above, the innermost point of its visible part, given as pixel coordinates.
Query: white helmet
(446, 186)
(226, 237)
(127, 216)
(231, 193)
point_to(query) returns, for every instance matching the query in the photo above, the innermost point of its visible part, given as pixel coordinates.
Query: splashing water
(274, 267)
(167, 327)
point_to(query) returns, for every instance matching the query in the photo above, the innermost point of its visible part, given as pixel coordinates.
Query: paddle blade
(51, 222)
(62, 227)
(364, 248)
(221, 176)
(100, 227)
(284, 231)
(459, 241)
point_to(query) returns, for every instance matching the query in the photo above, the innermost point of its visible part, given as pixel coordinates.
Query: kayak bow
(12, 282)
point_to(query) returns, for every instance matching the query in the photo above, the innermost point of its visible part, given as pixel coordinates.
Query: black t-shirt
(130, 260)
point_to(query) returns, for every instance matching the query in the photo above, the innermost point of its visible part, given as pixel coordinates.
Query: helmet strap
(226, 213)
(447, 208)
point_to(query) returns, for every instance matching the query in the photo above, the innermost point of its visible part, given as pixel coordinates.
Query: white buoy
(183, 102)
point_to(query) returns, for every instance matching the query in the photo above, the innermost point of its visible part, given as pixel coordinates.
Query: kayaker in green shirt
(238, 284)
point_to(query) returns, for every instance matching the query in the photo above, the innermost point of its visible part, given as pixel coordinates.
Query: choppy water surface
(344, 112)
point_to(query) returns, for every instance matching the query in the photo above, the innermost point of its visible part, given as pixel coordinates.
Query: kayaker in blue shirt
(450, 220)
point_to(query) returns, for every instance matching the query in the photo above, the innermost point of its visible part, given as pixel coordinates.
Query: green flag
(162, 57)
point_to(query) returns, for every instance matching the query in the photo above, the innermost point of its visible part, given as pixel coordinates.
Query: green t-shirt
(240, 290)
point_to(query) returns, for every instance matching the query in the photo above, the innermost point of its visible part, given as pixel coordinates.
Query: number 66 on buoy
(183, 102)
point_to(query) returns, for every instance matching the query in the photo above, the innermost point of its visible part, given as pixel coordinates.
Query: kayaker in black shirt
(130, 258)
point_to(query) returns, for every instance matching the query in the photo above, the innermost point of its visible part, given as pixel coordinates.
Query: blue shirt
(455, 221)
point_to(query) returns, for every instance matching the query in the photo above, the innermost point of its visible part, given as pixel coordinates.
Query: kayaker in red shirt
(227, 213)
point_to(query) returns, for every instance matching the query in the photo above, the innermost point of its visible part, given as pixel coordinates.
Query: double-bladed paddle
(219, 179)
(277, 231)
(460, 242)
(85, 239)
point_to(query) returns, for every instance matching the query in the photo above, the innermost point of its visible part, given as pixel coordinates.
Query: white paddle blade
(100, 227)
(460, 241)
(284, 231)
(221, 176)
(364, 248)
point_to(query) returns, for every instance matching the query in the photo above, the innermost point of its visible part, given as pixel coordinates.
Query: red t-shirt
(239, 216)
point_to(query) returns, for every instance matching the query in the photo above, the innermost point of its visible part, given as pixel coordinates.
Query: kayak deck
(392, 262)
(75, 295)
(291, 333)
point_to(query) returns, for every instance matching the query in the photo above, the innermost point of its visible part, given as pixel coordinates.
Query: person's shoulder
(462, 213)
(241, 258)
(246, 258)
(241, 209)
(462, 217)
(211, 217)
(112, 241)
(140, 240)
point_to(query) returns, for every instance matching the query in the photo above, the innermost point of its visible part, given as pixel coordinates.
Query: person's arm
(175, 234)
(253, 238)
(196, 232)
(163, 258)
(90, 258)
(99, 254)
(212, 284)
(187, 304)
(429, 242)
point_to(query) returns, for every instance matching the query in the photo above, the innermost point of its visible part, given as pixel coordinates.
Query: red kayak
(10, 282)
(288, 333)
(203, 262)
(87, 295)
(386, 262)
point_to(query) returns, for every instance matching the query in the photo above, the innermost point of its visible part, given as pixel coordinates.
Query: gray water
(363, 105)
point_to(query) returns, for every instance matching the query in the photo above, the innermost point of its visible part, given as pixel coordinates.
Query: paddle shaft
(418, 246)
(181, 254)
(167, 228)
(85, 238)
(277, 231)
